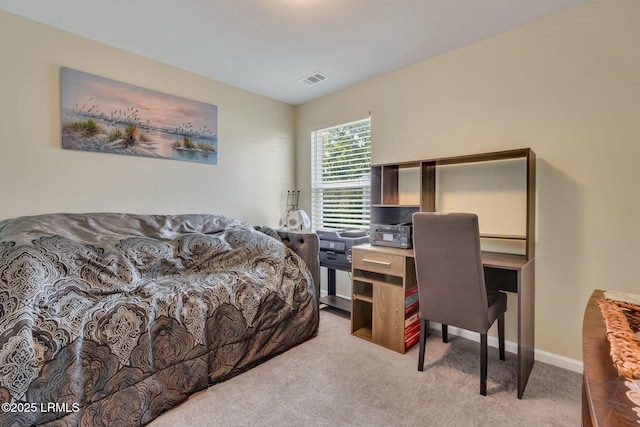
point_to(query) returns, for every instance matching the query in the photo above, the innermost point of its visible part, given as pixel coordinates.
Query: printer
(392, 235)
(335, 246)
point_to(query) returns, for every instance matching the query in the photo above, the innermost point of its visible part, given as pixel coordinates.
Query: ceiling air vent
(313, 79)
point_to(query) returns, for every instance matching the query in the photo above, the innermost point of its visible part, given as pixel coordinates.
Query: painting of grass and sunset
(99, 114)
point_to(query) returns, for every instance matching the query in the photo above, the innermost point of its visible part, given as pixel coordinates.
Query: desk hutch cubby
(383, 278)
(386, 201)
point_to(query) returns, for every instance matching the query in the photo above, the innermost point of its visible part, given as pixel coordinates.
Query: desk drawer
(378, 262)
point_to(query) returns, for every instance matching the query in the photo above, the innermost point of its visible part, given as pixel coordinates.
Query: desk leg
(526, 324)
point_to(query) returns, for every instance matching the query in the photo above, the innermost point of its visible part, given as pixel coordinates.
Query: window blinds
(340, 176)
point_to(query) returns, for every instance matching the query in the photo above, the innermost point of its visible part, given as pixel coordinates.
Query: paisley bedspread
(112, 319)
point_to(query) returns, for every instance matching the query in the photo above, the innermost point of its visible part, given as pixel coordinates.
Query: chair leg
(423, 338)
(501, 337)
(445, 333)
(483, 364)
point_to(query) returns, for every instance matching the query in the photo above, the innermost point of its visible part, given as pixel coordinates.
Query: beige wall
(256, 138)
(568, 87)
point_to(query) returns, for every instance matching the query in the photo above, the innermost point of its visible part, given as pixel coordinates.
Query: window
(340, 176)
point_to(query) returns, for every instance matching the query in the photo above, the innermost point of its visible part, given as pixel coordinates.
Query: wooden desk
(604, 400)
(511, 273)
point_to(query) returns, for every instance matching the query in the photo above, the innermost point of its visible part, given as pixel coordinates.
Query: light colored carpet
(336, 379)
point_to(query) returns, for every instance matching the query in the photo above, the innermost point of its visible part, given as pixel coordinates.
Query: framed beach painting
(99, 114)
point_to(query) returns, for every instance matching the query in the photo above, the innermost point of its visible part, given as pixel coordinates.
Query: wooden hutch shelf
(385, 195)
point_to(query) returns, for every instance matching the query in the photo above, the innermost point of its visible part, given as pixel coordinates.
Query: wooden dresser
(604, 393)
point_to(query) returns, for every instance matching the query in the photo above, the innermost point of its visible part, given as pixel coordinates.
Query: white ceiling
(268, 46)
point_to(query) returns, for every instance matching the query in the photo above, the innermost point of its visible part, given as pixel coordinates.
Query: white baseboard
(560, 361)
(512, 347)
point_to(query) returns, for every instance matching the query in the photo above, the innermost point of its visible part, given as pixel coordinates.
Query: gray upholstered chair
(451, 283)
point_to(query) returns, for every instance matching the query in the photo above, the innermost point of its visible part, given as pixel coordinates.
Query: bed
(112, 319)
